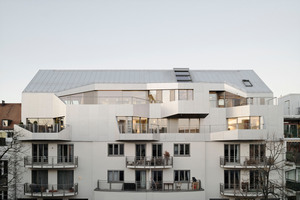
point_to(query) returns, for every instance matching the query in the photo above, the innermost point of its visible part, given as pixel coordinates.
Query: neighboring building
(10, 114)
(291, 106)
(146, 134)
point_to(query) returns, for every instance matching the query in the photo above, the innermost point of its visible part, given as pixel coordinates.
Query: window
(181, 149)
(247, 83)
(115, 149)
(256, 179)
(232, 153)
(257, 152)
(172, 95)
(188, 125)
(182, 175)
(244, 123)
(65, 153)
(115, 176)
(185, 95)
(231, 179)
(2, 141)
(155, 96)
(5, 122)
(65, 179)
(3, 173)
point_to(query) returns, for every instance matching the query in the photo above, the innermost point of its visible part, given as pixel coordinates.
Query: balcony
(148, 186)
(239, 134)
(145, 132)
(242, 190)
(51, 162)
(245, 162)
(292, 185)
(149, 162)
(43, 132)
(50, 190)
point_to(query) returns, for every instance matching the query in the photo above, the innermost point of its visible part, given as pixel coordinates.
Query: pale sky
(263, 35)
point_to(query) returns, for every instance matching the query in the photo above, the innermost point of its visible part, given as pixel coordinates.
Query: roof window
(247, 83)
(182, 74)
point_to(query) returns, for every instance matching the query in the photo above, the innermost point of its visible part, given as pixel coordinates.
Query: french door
(40, 153)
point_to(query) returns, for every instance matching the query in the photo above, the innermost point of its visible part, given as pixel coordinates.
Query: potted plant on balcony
(167, 157)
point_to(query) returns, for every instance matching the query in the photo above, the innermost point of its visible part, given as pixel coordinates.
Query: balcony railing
(293, 157)
(243, 189)
(38, 128)
(154, 186)
(149, 162)
(245, 161)
(50, 190)
(51, 161)
(293, 185)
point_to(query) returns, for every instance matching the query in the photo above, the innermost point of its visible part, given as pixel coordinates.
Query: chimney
(3, 102)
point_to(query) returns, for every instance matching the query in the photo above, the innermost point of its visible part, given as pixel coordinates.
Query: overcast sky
(263, 35)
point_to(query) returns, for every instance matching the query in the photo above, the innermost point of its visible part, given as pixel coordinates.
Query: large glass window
(257, 152)
(182, 175)
(40, 153)
(232, 179)
(256, 179)
(115, 149)
(181, 149)
(65, 179)
(65, 153)
(155, 96)
(115, 175)
(252, 122)
(188, 125)
(232, 153)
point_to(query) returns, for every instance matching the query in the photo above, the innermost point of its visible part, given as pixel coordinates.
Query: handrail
(149, 161)
(51, 189)
(43, 128)
(246, 161)
(105, 185)
(51, 161)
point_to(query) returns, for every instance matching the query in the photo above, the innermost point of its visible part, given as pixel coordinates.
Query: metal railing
(140, 128)
(105, 100)
(149, 161)
(104, 185)
(46, 190)
(243, 189)
(292, 184)
(51, 161)
(245, 161)
(38, 128)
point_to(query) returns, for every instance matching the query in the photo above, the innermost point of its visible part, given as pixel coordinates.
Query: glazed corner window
(185, 95)
(115, 149)
(5, 122)
(115, 176)
(172, 95)
(244, 123)
(155, 96)
(181, 149)
(247, 83)
(182, 175)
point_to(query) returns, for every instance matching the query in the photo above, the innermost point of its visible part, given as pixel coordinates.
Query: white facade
(80, 127)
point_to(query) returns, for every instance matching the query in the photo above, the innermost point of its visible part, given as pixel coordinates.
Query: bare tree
(11, 158)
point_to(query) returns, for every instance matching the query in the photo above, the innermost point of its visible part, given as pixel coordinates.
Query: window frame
(119, 172)
(184, 150)
(113, 149)
(185, 178)
(5, 123)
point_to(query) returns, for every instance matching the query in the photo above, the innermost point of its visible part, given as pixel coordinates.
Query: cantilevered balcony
(149, 186)
(43, 132)
(51, 162)
(242, 190)
(245, 162)
(50, 190)
(149, 162)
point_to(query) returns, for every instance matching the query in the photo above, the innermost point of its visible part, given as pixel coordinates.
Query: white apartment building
(146, 134)
(291, 107)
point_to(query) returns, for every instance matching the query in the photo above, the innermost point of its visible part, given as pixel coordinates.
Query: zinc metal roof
(52, 81)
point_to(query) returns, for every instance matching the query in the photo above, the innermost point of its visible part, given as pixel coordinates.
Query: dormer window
(5, 122)
(247, 83)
